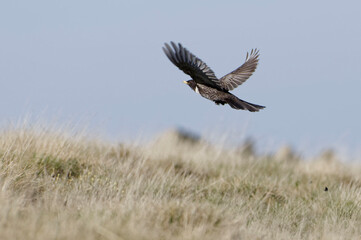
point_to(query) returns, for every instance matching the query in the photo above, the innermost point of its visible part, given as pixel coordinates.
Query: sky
(100, 64)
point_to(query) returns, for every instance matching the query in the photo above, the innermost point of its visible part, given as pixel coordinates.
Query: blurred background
(100, 64)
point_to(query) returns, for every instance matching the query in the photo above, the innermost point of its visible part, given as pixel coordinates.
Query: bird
(204, 80)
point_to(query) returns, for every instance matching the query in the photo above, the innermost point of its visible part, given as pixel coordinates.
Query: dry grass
(60, 186)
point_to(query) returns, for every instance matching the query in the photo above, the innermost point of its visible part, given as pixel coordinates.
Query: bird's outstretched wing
(191, 65)
(241, 74)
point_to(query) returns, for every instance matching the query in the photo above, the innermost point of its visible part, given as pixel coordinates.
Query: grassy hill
(55, 185)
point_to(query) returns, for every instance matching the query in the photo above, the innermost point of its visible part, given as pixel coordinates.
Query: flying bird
(205, 82)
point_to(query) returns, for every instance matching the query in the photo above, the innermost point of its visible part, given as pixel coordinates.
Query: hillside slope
(55, 185)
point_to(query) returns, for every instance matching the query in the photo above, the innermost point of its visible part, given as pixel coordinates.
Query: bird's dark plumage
(205, 81)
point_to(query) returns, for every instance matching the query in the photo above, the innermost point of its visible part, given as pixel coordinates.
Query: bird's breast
(196, 90)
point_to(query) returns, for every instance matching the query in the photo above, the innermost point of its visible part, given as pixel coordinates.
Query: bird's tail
(237, 103)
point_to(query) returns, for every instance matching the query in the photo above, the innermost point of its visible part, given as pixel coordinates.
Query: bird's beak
(185, 82)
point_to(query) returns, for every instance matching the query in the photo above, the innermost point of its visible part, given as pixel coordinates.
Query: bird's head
(191, 83)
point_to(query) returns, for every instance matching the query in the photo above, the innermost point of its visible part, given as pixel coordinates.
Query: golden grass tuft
(56, 185)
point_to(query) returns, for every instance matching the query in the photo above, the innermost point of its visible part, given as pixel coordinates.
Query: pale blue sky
(101, 62)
